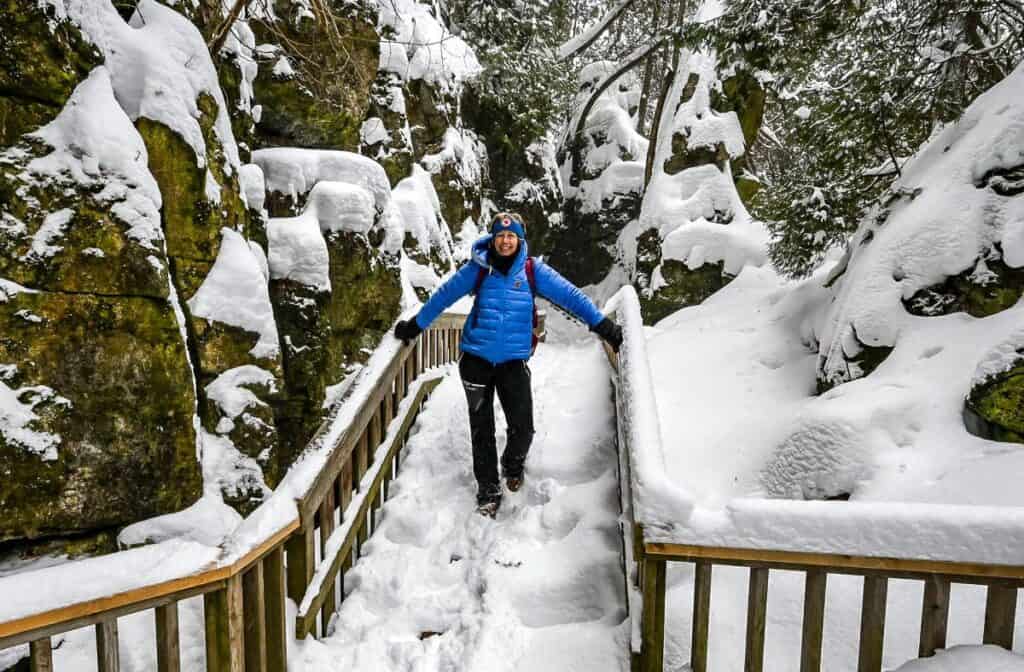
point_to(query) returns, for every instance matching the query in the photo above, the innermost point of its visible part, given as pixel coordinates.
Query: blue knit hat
(508, 221)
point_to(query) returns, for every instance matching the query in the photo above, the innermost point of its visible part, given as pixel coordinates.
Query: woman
(497, 340)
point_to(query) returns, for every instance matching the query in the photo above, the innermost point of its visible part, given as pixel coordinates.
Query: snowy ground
(539, 588)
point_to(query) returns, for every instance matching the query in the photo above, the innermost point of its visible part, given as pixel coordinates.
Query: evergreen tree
(855, 86)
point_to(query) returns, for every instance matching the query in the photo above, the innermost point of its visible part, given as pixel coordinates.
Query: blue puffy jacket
(500, 329)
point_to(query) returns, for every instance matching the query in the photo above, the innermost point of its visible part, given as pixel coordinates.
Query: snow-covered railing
(332, 495)
(939, 545)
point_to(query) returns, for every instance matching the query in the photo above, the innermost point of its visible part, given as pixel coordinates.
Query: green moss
(683, 287)
(95, 255)
(42, 60)
(322, 334)
(978, 295)
(127, 447)
(995, 409)
(325, 104)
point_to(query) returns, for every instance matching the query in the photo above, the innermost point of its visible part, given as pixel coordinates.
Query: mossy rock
(323, 105)
(127, 447)
(459, 198)
(322, 334)
(395, 153)
(191, 222)
(583, 251)
(994, 409)
(42, 60)
(429, 112)
(683, 287)
(94, 252)
(978, 291)
(684, 157)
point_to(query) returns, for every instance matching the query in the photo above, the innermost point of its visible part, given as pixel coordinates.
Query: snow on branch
(635, 58)
(580, 42)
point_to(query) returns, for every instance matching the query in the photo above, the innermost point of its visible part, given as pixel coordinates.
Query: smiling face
(506, 243)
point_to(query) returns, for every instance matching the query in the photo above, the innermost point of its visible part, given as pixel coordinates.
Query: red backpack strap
(530, 277)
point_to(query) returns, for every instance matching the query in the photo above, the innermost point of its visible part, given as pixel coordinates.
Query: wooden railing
(245, 597)
(646, 556)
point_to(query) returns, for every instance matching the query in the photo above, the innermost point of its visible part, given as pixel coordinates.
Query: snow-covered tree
(854, 88)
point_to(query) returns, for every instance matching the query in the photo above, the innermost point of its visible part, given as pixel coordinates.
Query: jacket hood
(479, 253)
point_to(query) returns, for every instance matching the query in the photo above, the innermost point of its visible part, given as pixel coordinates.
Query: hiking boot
(513, 483)
(489, 509)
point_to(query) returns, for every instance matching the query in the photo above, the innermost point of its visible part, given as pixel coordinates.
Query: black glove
(407, 330)
(610, 332)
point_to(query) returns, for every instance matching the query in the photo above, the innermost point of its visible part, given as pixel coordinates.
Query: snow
(208, 522)
(228, 391)
(95, 145)
(433, 53)
(338, 206)
(159, 65)
(576, 42)
(235, 292)
(298, 251)
(943, 221)
(988, 658)
(419, 209)
(657, 500)
(294, 171)
(17, 413)
(94, 578)
(373, 131)
(687, 207)
(540, 588)
(251, 181)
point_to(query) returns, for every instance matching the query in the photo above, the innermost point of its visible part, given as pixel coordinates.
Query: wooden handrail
(247, 593)
(646, 556)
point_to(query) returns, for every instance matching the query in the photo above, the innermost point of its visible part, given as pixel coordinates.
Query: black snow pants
(480, 379)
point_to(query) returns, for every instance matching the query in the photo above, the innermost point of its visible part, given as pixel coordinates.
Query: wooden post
(872, 624)
(255, 618)
(326, 529)
(168, 646)
(107, 653)
(401, 387)
(814, 620)
(757, 606)
(1000, 615)
(40, 653)
(301, 562)
(389, 409)
(652, 624)
(701, 616)
(418, 357)
(934, 615)
(362, 455)
(276, 619)
(225, 634)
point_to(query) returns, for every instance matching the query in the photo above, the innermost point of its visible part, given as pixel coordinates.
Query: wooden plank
(326, 530)
(40, 655)
(814, 620)
(361, 462)
(108, 656)
(934, 616)
(255, 619)
(757, 607)
(276, 616)
(225, 633)
(872, 624)
(1000, 616)
(652, 624)
(168, 639)
(343, 558)
(835, 563)
(300, 562)
(701, 616)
